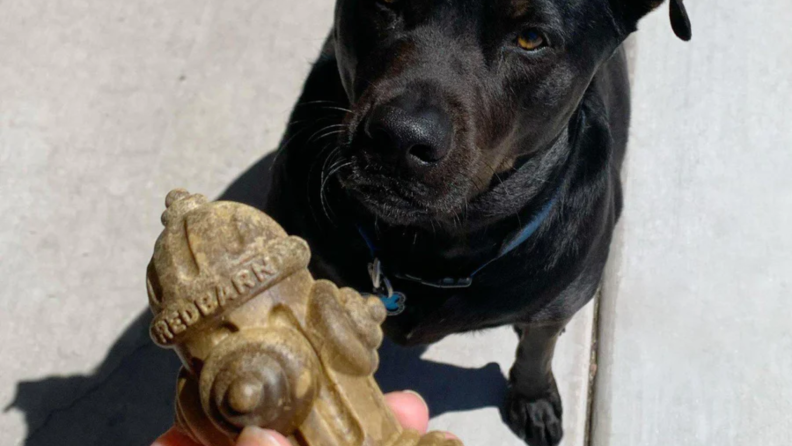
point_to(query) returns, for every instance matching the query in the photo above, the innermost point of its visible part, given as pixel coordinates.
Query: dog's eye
(531, 40)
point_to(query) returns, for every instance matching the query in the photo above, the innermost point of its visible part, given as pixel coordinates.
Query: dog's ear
(631, 11)
(680, 22)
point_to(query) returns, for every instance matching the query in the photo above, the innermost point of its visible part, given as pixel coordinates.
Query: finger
(174, 437)
(410, 410)
(256, 436)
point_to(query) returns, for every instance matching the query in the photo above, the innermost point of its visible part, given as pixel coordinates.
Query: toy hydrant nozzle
(261, 342)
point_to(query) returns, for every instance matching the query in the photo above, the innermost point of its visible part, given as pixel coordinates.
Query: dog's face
(447, 96)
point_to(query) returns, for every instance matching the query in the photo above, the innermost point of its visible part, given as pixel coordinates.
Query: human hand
(408, 407)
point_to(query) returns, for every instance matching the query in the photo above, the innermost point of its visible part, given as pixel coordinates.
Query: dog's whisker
(304, 121)
(337, 168)
(317, 103)
(318, 158)
(332, 160)
(323, 191)
(288, 142)
(325, 105)
(330, 133)
(341, 109)
(312, 138)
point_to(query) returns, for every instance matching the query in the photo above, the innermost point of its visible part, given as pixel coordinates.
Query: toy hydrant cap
(211, 258)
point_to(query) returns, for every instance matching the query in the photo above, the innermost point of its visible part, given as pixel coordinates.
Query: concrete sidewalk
(695, 332)
(106, 105)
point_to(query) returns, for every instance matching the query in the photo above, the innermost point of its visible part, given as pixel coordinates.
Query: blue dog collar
(395, 301)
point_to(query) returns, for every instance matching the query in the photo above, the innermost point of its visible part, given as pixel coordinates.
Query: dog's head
(448, 95)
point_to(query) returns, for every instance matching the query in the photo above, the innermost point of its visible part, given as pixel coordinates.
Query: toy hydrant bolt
(175, 194)
(245, 394)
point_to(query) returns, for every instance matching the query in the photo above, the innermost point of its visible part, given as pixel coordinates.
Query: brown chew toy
(261, 342)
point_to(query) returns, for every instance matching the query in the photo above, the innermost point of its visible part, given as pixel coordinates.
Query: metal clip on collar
(378, 278)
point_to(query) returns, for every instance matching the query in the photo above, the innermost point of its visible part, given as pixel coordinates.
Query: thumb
(256, 436)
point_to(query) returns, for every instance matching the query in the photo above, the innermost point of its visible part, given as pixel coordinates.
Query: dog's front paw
(537, 420)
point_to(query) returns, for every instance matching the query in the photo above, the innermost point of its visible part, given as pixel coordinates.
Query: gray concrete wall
(696, 340)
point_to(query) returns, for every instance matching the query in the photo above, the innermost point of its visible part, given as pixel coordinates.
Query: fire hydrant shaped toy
(261, 342)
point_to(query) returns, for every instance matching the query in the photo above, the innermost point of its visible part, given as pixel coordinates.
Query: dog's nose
(418, 136)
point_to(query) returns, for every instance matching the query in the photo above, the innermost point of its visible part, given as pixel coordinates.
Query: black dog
(461, 159)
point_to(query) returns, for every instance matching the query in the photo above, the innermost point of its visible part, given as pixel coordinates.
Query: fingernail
(413, 392)
(256, 436)
(450, 436)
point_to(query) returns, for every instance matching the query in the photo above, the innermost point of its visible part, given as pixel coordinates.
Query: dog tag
(395, 303)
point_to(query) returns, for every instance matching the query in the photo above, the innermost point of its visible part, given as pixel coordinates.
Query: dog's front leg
(533, 405)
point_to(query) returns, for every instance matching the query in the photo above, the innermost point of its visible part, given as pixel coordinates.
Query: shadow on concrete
(127, 401)
(446, 387)
(252, 187)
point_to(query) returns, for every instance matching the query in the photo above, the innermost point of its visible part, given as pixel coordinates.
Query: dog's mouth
(384, 194)
(379, 190)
